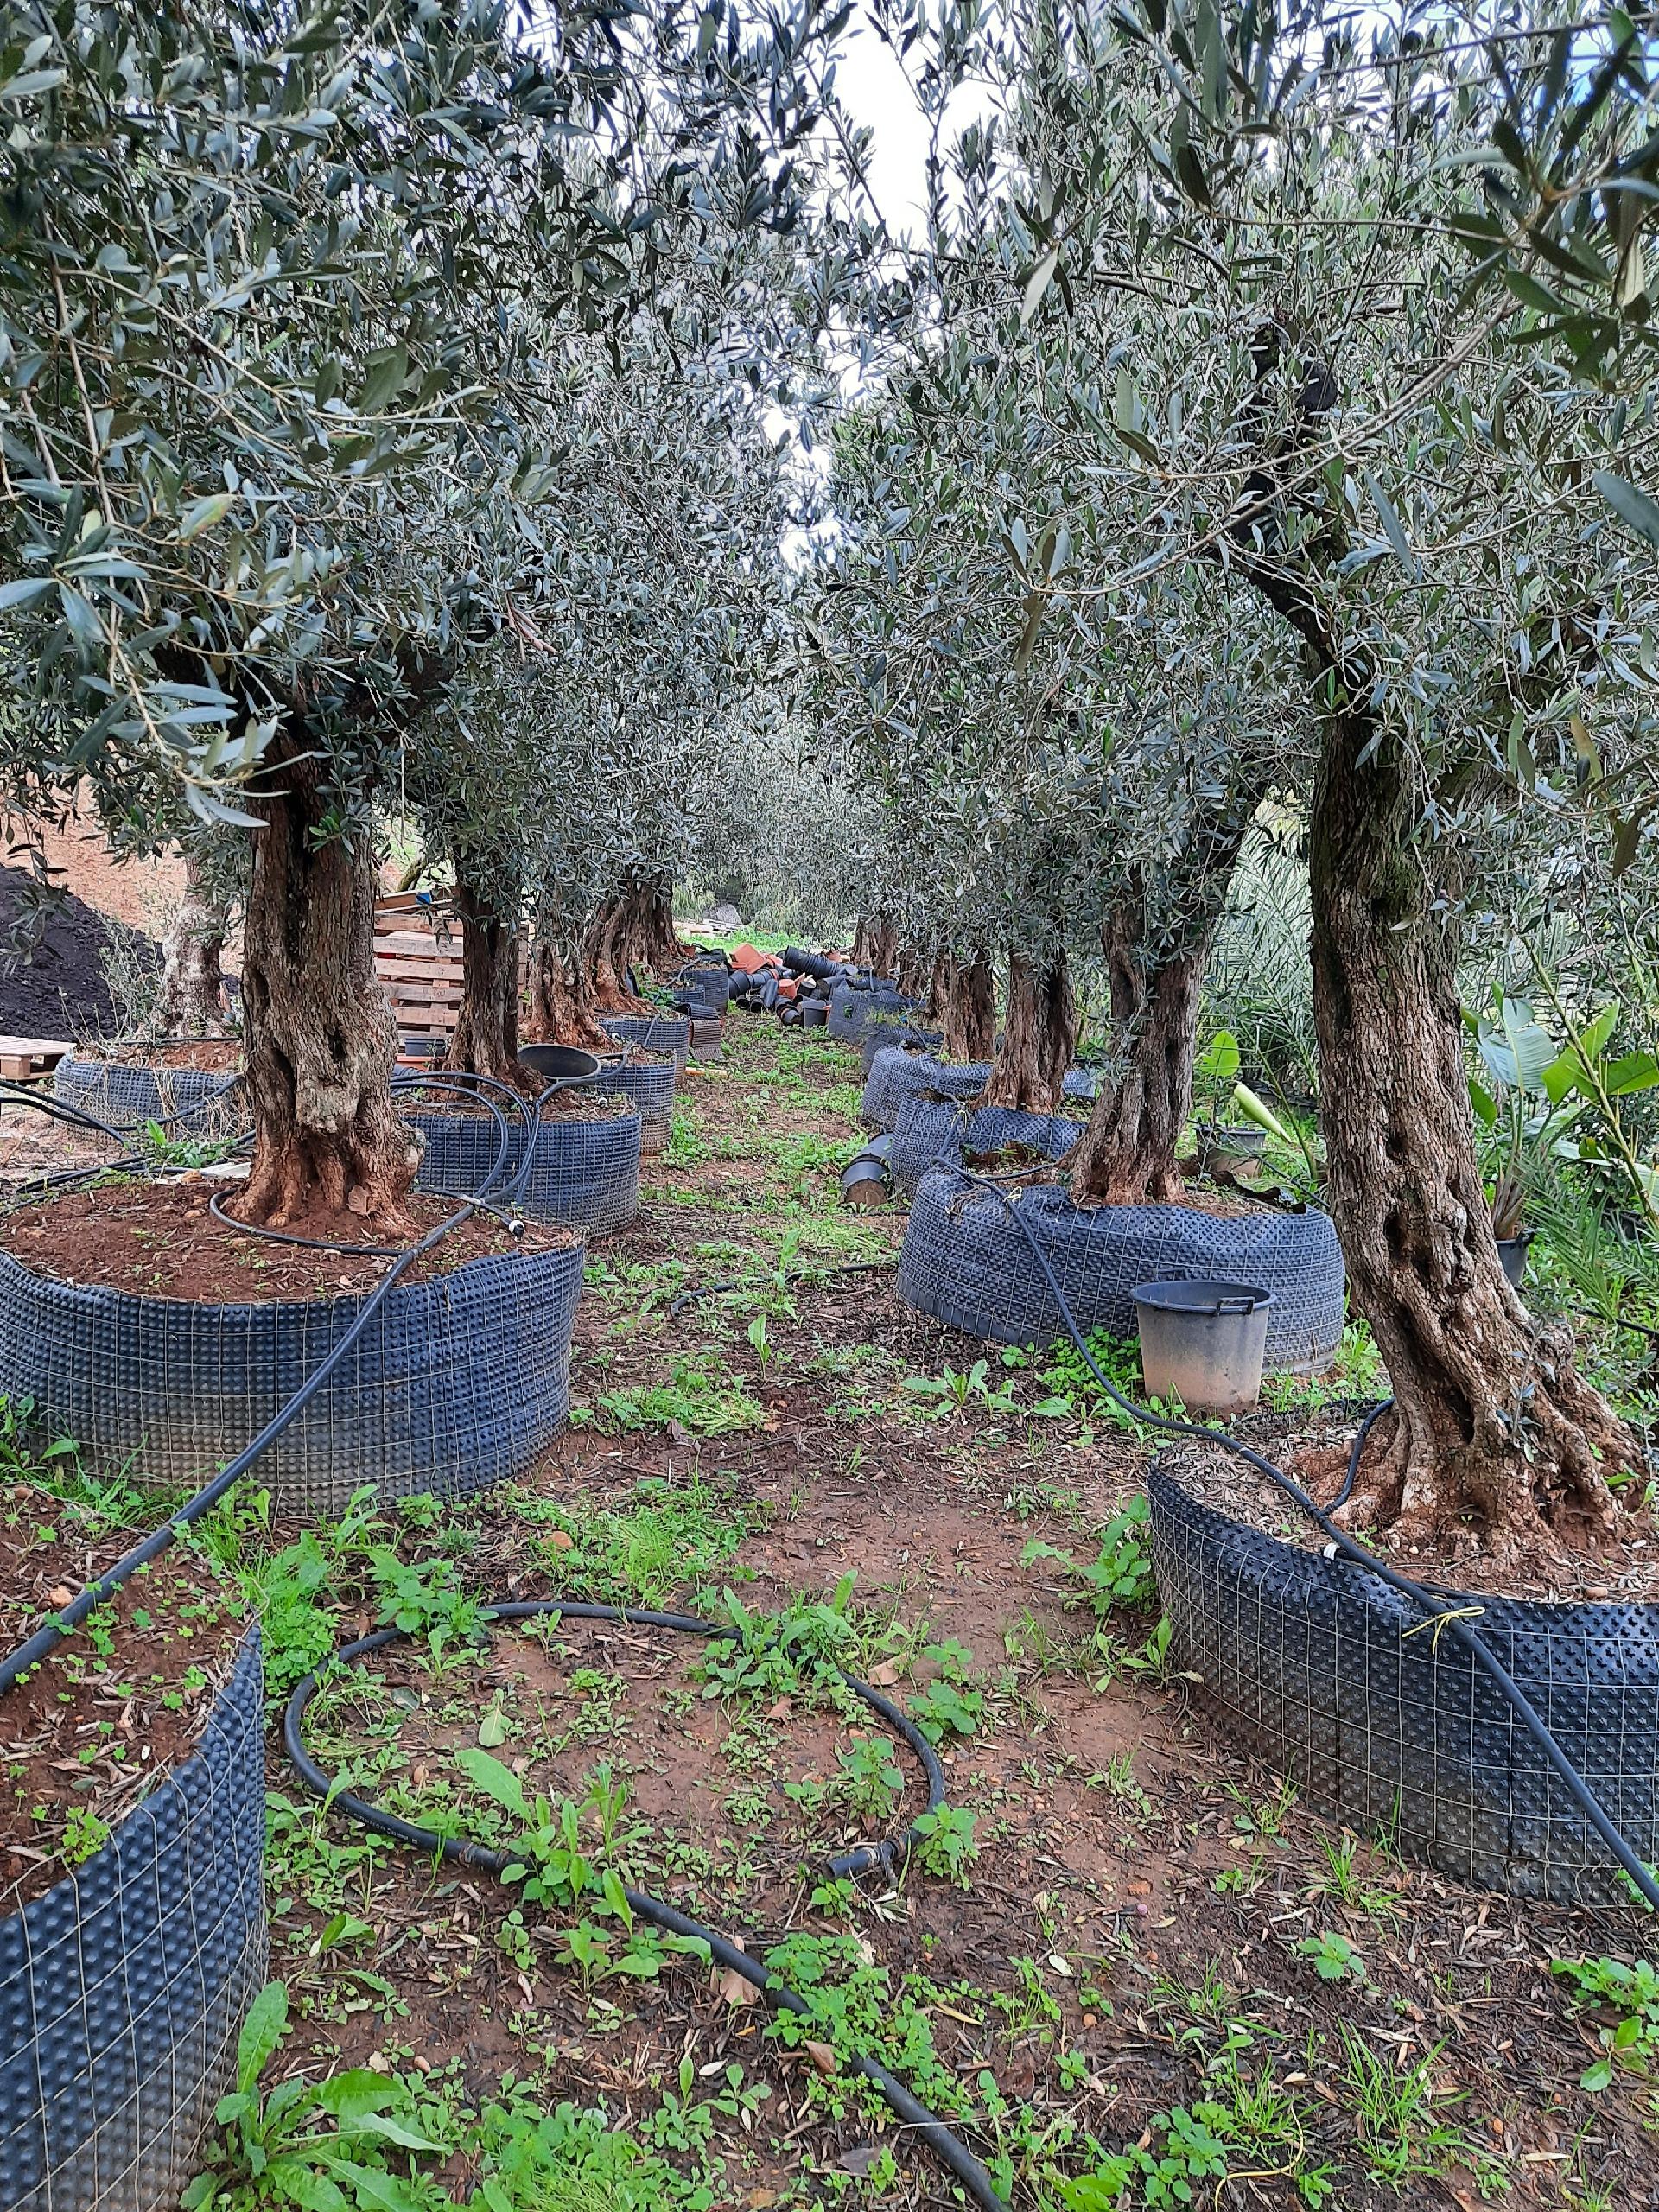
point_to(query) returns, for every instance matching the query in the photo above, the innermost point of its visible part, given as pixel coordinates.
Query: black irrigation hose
(1341, 1545)
(62, 1110)
(45, 1639)
(945, 2145)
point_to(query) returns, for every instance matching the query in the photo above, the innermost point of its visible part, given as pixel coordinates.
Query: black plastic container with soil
(584, 1169)
(645, 1078)
(132, 1920)
(163, 1340)
(1335, 1680)
(968, 1263)
(192, 1087)
(661, 1032)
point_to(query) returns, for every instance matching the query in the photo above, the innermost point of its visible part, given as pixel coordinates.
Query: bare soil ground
(1155, 1956)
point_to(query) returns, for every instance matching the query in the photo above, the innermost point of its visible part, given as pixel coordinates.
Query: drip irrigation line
(1339, 1544)
(46, 1638)
(946, 2146)
(801, 1275)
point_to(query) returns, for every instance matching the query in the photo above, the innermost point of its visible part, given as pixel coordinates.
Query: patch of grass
(640, 1551)
(702, 1396)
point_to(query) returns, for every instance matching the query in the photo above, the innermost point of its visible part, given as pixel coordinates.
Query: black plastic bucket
(560, 1063)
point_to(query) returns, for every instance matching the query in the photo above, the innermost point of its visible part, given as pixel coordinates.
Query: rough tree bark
(1126, 1155)
(562, 1009)
(1495, 1431)
(486, 1037)
(1496, 1441)
(875, 945)
(912, 970)
(1039, 1036)
(190, 1001)
(607, 954)
(320, 1038)
(965, 1002)
(658, 945)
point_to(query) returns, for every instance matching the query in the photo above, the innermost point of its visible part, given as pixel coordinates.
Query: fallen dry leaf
(821, 2056)
(734, 1989)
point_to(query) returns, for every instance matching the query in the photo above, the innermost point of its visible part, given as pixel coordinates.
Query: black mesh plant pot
(709, 980)
(648, 1085)
(663, 1033)
(123, 1988)
(937, 1132)
(885, 1029)
(457, 1382)
(585, 1173)
(1330, 1676)
(967, 1263)
(854, 1006)
(182, 1099)
(896, 1075)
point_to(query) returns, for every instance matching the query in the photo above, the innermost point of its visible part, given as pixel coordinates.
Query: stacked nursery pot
(141, 1319)
(133, 1918)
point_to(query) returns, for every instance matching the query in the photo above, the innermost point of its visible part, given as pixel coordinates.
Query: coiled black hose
(946, 2146)
(1341, 1545)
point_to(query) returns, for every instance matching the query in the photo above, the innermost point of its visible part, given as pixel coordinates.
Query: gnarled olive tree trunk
(562, 1009)
(191, 1000)
(875, 943)
(1155, 963)
(1039, 1036)
(486, 1037)
(319, 1037)
(1495, 1430)
(1496, 1439)
(965, 1004)
(609, 952)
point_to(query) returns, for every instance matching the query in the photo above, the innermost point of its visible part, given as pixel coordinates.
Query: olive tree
(1239, 240)
(278, 289)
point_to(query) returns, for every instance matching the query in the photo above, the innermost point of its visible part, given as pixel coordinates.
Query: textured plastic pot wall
(886, 1029)
(129, 1097)
(851, 1010)
(965, 1262)
(124, 1989)
(930, 1132)
(663, 1033)
(456, 1383)
(648, 1085)
(585, 1174)
(896, 1075)
(1310, 1664)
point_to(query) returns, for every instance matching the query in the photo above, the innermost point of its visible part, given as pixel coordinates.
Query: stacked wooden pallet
(417, 961)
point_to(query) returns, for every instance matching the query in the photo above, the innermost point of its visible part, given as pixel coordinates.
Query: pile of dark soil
(61, 989)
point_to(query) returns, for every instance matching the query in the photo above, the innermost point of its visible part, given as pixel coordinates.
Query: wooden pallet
(417, 961)
(29, 1059)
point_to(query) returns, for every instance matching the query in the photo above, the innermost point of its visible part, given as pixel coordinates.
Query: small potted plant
(1525, 1108)
(1225, 1147)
